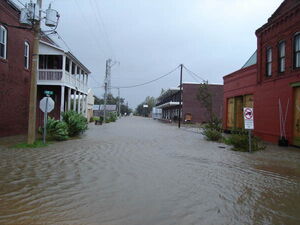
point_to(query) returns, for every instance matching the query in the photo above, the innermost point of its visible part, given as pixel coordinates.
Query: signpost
(249, 123)
(46, 105)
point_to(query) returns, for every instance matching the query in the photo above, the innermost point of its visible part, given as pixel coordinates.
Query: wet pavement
(141, 172)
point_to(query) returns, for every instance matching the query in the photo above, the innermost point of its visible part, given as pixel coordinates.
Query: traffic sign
(48, 92)
(248, 118)
(47, 104)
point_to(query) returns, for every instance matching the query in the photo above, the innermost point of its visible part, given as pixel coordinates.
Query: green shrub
(213, 129)
(211, 134)
(57, 130)
(76, 123)
(92, 119)
(240, 142)
(112, 117)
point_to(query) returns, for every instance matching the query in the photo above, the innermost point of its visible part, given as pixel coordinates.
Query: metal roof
(251, 61)
(108, 107)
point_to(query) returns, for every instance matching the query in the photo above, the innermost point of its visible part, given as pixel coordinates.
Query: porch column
(69, 99)
(85, 105)
(79, 99)
(62, 101)
(74, 100)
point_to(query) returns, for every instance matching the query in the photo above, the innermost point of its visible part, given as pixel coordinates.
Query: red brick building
(270, 81)
(192, 110)
(15, 54)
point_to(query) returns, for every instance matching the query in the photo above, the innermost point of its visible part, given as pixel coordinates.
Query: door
(230, 113)
(297, 117)
(239, 117)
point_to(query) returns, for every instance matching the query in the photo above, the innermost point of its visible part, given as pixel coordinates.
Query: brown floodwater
(141, 172)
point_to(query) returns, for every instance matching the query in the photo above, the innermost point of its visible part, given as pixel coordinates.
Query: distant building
(90, 104)
(192, 109)
(156, 113)
(270, 81)
(100, 112)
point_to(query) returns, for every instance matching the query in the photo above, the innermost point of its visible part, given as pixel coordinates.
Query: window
(67, 64)
(78, 70)
(297, 51)
(26, 55)
(73, 68)
(269, 62)
(3, 42)
(281, 55)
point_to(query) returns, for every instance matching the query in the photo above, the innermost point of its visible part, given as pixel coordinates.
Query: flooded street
(141, 172)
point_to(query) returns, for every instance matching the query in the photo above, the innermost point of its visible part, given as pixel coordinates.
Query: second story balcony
(62, 69)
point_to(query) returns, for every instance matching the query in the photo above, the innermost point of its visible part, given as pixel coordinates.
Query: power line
(90, 31)
(194, 74)
(101, 23)
(21, 3)
(148, 82)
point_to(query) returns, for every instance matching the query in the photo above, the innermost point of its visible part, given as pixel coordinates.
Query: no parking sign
(248, 118)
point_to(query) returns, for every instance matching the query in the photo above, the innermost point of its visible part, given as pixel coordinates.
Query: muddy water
(139, 172)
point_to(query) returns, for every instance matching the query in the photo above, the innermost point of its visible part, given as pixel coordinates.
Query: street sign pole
(250, 140)
(45, 120)
(249, 124)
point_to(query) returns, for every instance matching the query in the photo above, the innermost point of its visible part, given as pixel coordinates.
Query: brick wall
(193, 106)
(14, 78)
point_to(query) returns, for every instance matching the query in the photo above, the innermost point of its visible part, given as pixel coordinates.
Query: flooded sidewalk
(138, 171)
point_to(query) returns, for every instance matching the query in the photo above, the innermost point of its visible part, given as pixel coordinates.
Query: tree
(145, 111)
(205, 98)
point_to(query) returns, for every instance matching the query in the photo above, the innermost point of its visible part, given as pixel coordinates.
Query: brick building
(270, 81)
(192, 110)
(15, 63)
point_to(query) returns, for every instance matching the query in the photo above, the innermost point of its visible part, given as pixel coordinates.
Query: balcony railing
(50, 74)
(46, 76)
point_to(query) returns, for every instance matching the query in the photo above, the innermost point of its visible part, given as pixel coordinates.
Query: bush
(213, 129)
(76, 123)
(112, 117)
(240, 142)
(211, 134)
(57, 130)
(92, 119)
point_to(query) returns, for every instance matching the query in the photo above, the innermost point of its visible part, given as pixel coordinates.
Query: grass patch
(37, 144)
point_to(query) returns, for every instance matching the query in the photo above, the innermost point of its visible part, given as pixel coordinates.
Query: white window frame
(282, 55)
(26, 54)
(4, 42)
(297, 51)
(269, 62)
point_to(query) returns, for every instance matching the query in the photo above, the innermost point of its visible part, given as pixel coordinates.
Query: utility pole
(106, 86)
(180, 98)
(119, 108)
(33, 82)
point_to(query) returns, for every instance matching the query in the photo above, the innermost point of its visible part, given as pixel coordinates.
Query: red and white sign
(248, 118)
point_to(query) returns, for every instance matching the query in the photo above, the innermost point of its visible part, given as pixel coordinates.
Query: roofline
(68, 54)
(14, 5)
(77, 61)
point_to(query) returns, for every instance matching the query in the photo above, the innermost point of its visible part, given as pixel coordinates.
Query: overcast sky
(151, 37)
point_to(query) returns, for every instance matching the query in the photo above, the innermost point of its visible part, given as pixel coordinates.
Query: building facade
(271, 85)
(61, 72)
(15, 70)
(192, 109)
